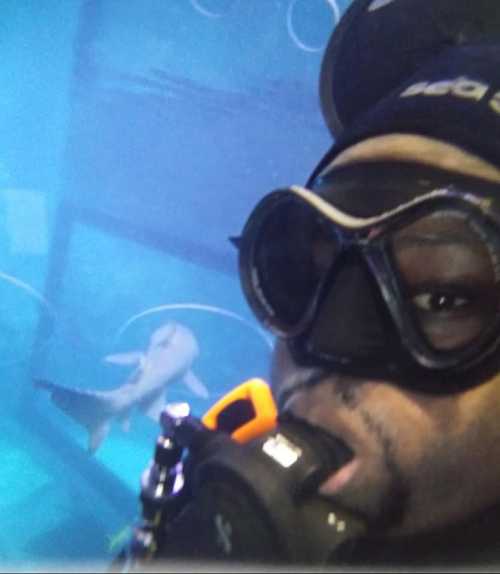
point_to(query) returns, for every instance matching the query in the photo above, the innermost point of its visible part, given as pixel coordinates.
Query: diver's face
(421, 460)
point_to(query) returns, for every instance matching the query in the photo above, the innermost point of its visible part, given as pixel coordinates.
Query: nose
(324, 407)
(318, 402)
(293, 384)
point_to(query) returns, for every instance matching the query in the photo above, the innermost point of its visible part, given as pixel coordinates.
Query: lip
(340, 479)
(345, 443)
(343, 457)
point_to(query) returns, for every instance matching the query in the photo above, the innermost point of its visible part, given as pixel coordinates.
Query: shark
(169, 356)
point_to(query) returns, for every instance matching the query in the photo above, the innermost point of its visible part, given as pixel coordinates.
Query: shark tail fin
(88, 408)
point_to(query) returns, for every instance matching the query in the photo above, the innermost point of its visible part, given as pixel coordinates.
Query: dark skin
(450, 278)
(421, 461)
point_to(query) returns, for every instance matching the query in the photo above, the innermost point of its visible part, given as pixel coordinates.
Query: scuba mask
(384, 270)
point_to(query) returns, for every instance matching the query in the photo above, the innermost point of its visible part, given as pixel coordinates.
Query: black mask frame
(403, 355)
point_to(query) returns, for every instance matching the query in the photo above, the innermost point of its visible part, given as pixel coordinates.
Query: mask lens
(293, 249)
(446, 262)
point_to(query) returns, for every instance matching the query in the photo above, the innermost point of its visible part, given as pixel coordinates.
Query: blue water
(136, 136)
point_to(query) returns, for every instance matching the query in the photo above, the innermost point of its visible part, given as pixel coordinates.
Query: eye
(440, 302)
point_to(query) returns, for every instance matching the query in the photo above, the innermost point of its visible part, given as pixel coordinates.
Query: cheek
(431, 435)
(408, 424)
(466, 424)
(452, 464)
(477, 430)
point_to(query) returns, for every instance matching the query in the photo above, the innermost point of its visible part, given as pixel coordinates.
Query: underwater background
(135, 137)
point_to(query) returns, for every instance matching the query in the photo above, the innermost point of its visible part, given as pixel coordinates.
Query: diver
(381, 281)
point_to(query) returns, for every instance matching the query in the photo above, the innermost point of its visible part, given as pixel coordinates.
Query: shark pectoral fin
(132, 358)
(97, 436)
(194, 384)
(153, 406)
